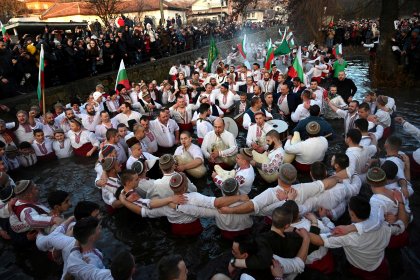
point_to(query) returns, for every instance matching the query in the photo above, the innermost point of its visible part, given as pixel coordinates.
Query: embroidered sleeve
(273, 165)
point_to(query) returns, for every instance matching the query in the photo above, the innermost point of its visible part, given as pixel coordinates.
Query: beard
(266, 79)
(91, 113)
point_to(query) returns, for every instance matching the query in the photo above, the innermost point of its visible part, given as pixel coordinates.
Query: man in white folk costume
(219, 146)
(189, 157)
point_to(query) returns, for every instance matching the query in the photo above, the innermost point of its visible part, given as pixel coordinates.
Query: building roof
(62, 9)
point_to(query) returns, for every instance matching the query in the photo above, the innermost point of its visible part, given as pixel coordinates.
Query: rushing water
(148, 240)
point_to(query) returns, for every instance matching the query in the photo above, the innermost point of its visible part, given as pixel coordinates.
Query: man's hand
(398, 196)
(133, 197)
(391, 218)
(213, 175)
(4, 235)
(225, 210)
(311, 217)
(341, 230)
(179, 199)
(350, 99)
(180, 168)
(89, 154)
(281, 195)
(291, 194)
(244, 197)
(399, 120)
(276, 269)
(11, 203)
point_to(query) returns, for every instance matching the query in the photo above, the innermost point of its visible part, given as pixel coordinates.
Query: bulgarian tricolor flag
(338, 49)
(3, 31)
(41, 84)
(122, 77)
(296, 70)
(241, 47)
(270, 56)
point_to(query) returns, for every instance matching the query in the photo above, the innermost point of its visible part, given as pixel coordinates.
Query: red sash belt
(324, 265)
(398, 241)
(185, 127)
(381, 273)
(387, 133)
(305, 168)
(231, 235)
(200, 141)
(83, 150)
(47, 157)
(190, 229)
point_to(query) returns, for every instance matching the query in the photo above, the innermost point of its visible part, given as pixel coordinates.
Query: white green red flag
(338, 49)
(270, 56)
(3, 32)
(41, 84)
(122, 77)
(297, 68)
(241, 47)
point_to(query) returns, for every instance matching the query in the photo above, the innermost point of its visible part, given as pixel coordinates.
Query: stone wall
(157, 70)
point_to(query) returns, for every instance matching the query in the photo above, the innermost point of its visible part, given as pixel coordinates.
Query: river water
(148, 240)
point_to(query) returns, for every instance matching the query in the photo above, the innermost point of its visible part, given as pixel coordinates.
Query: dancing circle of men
(146, 156)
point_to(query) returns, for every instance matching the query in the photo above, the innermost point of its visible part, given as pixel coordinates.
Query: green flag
(212, 56)
(282, 49)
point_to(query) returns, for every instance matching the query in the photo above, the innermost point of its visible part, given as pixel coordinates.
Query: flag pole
(43, 101)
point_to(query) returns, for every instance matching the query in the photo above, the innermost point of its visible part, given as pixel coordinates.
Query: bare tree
(11, 8)
(105, 9)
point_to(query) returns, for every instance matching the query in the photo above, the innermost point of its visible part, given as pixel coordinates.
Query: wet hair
(111, 133)
(365, 106)
(306, 93)
(247, 244)
(314, 110)
(390, 169)
(168, 267)
(122, 265)
(254, 100)
(127, 175)
(84, 228)
(128, 105)
(360, 206)
(318, 170)
(144, 118)
(186, 132)
(342, 160)
(273, 134)
(292, 206)
(282, 216)
(362, 124)
(56, 198)
(121, 125)
(204, 107)
(38, 130)
(355, 135)
(296, 79)
(394, 142)
(84, 209)
(355, 102)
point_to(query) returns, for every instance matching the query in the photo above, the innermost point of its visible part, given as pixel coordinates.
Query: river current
(148, 240)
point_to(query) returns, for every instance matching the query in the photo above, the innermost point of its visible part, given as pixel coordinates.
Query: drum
(289, 158)
(239, 119)
(263, 158)
(281, 127)
(223, 173)
(196, 172)
(230, 125)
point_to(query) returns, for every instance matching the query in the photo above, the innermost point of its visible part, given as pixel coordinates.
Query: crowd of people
(405, 42)
(153, 140)
(93, 49)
